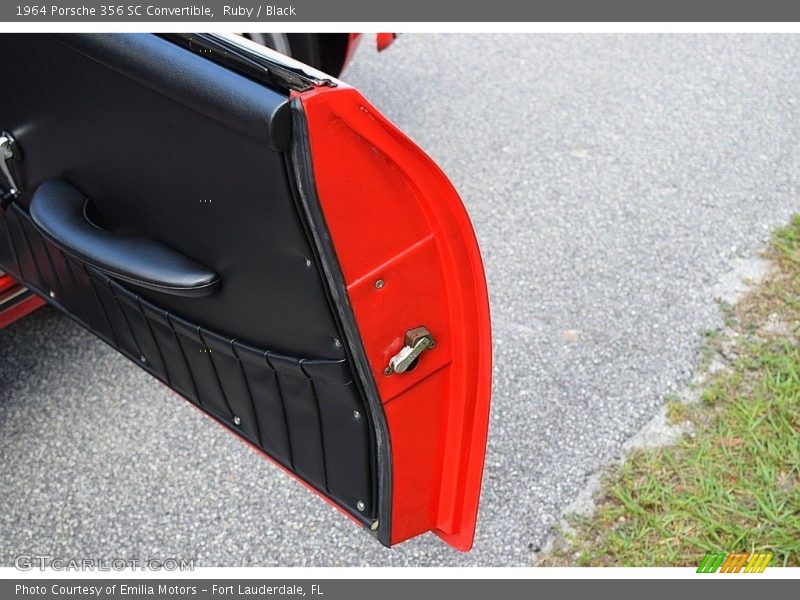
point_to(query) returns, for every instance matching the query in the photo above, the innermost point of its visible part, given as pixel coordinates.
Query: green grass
(733, 483)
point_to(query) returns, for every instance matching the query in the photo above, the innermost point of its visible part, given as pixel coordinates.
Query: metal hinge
(8, 151)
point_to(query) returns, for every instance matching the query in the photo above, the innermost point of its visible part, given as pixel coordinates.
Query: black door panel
(301, 411)
(168, 146)
(156, 167)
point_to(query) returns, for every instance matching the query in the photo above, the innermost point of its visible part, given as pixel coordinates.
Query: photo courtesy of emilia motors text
(351, 299)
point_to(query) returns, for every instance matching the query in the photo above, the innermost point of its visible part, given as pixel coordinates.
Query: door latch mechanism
(8, 150)
(417, 341)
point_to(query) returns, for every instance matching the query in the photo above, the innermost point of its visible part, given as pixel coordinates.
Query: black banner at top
(467, 11)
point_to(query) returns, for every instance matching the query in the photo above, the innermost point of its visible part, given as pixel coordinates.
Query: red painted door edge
(410, 257)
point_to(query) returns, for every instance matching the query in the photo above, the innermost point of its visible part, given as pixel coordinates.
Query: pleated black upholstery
(307, 414)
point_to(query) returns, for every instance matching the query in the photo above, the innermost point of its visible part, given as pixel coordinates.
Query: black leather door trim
(172, 147)
(179, 78)
(58, 211)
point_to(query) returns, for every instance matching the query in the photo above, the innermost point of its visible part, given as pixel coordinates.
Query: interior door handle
(58, 211)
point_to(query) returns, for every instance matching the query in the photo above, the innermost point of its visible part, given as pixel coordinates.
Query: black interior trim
(298, 410)
(58, 211)
(172, 147)
(153, 62)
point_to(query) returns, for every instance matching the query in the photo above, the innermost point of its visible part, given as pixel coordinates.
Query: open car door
(261, 239)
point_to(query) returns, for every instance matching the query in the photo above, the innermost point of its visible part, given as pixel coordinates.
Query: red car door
(260, 238)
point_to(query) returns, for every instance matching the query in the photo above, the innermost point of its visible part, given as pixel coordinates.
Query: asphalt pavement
(614, 182)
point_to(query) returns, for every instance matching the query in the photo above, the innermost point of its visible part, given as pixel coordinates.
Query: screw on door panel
(417, 340)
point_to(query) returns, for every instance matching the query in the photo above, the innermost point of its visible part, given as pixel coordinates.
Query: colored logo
(743, 562)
